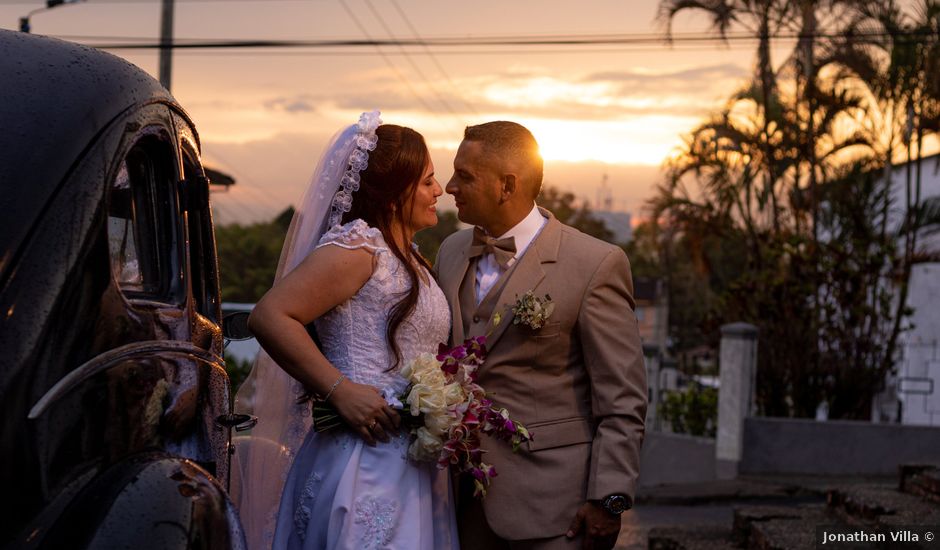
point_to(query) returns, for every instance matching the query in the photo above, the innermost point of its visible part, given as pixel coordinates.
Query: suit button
(476, 318)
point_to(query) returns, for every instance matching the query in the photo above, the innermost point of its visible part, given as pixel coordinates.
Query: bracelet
(333, 387)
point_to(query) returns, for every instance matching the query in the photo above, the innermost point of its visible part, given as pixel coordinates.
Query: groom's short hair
(513, 143)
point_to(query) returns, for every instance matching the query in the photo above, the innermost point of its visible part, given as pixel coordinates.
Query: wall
(918, 384)
(799, 446)
(669, 458)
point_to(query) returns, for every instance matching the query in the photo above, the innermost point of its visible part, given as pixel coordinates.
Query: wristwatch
(615, 504)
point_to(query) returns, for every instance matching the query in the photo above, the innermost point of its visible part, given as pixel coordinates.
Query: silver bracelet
(333, 387)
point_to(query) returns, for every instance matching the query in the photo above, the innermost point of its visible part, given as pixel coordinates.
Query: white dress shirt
(524, 232)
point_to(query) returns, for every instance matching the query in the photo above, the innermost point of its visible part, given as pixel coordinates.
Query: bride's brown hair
(386, 185)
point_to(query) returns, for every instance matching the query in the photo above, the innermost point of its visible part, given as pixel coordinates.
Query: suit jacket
(578, 382)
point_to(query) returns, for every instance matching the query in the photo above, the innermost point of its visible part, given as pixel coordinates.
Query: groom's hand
(600, 527)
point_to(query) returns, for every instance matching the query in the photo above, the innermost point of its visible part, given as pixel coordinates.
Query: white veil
(263, 458)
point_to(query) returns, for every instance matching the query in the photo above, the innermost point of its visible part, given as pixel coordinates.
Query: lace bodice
(353, 334)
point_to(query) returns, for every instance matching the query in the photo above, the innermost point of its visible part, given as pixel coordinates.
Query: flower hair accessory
(358, 161)
(532, 311)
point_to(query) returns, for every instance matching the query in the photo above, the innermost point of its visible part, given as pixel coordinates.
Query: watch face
(615, 504)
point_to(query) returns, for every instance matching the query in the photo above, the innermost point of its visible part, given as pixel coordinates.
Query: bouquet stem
(325, 417)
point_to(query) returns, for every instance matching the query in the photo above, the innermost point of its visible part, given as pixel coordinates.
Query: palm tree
(809, 17)
(762, 18)
(896, 62)
(766, 19)
(764, 163)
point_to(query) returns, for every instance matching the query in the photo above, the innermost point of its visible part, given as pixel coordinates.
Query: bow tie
(502, 249)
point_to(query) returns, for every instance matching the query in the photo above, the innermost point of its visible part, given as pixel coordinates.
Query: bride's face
(421, 211)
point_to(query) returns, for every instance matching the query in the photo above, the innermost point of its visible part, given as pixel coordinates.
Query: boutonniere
(532, 311)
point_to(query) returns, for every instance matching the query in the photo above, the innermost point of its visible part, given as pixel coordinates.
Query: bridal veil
(262, 458)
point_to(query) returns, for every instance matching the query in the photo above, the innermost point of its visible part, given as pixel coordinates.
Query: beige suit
(578, 382)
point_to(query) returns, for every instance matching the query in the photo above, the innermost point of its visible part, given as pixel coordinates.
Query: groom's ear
(510, 185)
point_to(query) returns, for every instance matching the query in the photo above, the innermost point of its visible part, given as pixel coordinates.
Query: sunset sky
(264, 115)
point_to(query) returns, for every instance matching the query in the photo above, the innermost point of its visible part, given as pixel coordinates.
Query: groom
(576, 379)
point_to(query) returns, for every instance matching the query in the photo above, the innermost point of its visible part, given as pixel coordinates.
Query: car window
(140, 220)
(203, 266)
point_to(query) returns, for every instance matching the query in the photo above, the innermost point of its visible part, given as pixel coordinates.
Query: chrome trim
(105, 360)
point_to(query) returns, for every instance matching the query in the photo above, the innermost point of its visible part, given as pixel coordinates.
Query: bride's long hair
(386, 186)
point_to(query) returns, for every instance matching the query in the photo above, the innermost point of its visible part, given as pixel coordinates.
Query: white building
(913, 395)
(918, 382)
(618, 223)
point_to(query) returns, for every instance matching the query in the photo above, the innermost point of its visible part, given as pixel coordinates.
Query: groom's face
(475, 185)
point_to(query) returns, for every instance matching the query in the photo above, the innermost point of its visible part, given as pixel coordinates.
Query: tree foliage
(238, 370)
(692, 411)
(563, 205)
(248, 256)
(779, 211)
(429, 240)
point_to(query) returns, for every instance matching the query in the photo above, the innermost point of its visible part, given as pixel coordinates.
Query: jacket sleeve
(613, 358)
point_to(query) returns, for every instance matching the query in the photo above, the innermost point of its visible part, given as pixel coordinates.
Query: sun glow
(646, 141)
(576, 121)
(545, 91)
(641, 140)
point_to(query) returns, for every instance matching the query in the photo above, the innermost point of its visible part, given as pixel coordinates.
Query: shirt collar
(525, 231)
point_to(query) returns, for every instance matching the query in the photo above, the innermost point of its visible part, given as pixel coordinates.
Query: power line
(109, 42)
(248, 187)
(410, 61)
(457, 91)
(388, 61)
(35, 2)
(547, 40)
(232, 204)
(320, 53)
(482, 40)
(646, 47)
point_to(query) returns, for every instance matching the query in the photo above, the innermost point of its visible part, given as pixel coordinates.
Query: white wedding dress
(341, 493)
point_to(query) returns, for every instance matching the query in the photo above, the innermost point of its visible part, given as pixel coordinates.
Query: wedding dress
(341, 493)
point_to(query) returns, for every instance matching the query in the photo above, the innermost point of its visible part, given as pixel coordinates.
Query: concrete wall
(918, 382)
(676, 458)
(798, 446)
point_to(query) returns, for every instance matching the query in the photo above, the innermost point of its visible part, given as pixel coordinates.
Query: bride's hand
(365, 411)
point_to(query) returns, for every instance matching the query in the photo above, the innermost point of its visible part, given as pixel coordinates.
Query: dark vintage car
(114, 402)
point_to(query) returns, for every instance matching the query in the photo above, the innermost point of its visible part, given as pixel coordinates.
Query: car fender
(150, 500)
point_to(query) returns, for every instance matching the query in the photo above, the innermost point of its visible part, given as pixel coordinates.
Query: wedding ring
(372, 426)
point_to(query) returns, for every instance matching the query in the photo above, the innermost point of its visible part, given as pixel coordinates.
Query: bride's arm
(329, 276)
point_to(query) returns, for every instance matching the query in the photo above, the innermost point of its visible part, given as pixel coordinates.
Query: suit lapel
(452, 274)
(527, 275)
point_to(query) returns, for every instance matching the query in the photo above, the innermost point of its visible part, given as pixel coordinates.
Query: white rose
(417, 364)
(425, 398)
(454, 394)
(440, 422)
(424, 369)
(425, 447)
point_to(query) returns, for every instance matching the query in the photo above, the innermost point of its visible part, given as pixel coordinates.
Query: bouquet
(455, 411)
(446, 411)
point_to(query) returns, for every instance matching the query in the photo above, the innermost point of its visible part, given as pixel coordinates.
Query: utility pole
(166, 43)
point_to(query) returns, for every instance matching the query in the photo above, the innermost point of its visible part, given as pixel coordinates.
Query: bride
(348, 265)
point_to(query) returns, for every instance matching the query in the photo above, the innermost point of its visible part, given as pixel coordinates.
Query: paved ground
(638, 522)
(711, 504)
